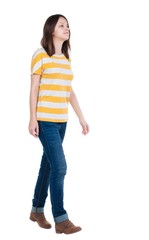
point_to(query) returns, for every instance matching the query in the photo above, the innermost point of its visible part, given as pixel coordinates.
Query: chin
(65, 39)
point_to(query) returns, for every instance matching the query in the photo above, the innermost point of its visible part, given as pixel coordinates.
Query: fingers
(34, 130)
(37, 131)
(85, 129)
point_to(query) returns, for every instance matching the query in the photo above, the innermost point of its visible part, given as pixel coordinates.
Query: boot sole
(59, 232)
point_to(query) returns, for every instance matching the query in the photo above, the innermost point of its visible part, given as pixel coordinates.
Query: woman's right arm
(33, 124)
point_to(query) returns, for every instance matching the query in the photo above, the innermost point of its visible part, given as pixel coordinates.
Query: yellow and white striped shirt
(55, 85)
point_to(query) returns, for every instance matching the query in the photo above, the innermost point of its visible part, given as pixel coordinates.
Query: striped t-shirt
(55, 85)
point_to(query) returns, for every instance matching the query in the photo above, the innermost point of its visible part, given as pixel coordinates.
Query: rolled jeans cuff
(37, 209)
(61, 218)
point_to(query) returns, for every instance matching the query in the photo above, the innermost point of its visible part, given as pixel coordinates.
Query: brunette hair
(47, 39)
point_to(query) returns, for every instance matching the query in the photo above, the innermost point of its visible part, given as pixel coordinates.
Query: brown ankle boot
(40, 219)
(66, 227)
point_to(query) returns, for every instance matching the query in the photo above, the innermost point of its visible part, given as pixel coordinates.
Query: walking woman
(50, 94)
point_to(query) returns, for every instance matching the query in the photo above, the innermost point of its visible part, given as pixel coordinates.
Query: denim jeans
(52, 170)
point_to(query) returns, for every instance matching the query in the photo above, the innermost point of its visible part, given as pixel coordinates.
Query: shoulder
(38, 52)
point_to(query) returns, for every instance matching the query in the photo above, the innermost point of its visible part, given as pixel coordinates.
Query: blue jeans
(52, 170)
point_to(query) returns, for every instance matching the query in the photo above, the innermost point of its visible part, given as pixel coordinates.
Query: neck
(58, 46)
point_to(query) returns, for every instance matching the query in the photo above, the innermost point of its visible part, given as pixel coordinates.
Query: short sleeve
(37, 63)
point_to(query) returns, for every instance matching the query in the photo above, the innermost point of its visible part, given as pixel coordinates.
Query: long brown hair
(47, 39)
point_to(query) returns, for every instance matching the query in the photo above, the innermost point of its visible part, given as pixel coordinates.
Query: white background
(107, 184)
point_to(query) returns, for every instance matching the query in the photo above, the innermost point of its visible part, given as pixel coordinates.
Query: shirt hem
(52, 120)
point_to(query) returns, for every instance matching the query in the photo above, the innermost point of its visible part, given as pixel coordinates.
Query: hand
(33, 128)
(85, 127)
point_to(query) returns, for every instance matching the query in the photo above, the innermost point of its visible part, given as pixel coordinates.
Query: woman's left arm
(76, 107)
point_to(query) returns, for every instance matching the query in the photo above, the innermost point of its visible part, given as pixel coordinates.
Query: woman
(50, 94)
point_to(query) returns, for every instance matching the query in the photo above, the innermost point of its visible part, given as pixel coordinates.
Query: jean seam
(46, 143)
(41, 186)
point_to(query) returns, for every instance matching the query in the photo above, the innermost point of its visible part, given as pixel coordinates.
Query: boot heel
(59, 232)
(32, 219)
